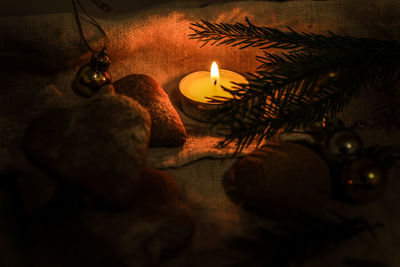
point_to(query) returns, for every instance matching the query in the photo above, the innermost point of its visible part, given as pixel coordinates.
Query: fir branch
(315, 77)
(250, 35)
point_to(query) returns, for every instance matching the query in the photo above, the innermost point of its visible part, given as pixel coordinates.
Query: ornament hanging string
(93, 75)
(103, 6)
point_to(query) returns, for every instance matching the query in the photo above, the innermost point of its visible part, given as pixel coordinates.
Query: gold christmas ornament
(338, 142)
(344, 144)
(92, 76)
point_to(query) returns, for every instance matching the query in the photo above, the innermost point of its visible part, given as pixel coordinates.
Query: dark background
(28, 7)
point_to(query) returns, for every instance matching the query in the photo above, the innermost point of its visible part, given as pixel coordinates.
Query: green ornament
(363, 180)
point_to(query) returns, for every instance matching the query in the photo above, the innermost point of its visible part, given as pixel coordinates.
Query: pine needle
(313, 77)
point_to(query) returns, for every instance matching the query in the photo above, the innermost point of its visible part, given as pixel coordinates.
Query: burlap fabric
(40, 55)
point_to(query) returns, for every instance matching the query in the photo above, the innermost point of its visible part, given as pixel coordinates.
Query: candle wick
(215, 82)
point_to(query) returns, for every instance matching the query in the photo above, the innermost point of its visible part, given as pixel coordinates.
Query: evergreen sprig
(313, 76)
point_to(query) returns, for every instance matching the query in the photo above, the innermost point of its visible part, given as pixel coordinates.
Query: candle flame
(214, 74)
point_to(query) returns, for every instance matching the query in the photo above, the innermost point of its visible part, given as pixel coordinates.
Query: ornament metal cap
(100, 62)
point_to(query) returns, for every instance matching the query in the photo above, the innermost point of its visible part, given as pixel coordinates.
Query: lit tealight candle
(196, 89)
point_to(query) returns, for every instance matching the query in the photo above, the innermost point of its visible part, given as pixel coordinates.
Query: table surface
(216, 217)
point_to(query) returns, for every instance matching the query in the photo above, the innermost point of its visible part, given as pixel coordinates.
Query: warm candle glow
(198, 87)
(214, 73)
(201, 85)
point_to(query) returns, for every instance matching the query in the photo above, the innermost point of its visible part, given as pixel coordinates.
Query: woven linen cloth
(40, 55)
